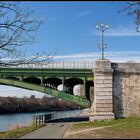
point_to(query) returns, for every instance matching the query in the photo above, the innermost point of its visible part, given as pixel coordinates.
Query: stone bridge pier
(102, 106)
(116, 90)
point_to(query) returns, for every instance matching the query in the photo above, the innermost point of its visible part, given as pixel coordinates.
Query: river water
(9, 121)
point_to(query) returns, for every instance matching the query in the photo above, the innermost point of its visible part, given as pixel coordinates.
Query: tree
(133, 8)
(44, 97)
(32, 97)
(17, 27)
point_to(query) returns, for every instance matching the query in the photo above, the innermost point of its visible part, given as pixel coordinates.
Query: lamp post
(102, 28)
(138, 20)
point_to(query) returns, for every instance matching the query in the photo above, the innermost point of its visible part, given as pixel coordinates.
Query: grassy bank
(18, 132)
(130, 123)
(127, 128)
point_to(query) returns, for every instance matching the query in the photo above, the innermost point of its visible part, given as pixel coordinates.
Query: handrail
(59, 65)
(43, 119)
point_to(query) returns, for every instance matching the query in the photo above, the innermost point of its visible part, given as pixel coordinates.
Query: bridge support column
(63, 82)
(102, 106)
(84, 90)
(21, 78)
(42, 81)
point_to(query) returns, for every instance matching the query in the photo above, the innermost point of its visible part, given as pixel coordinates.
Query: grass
(17, 133)
(125, 128)
(130, 124)
(125, 124)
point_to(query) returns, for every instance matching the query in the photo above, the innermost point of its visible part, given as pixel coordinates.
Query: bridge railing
(43, 119)
(59, 65)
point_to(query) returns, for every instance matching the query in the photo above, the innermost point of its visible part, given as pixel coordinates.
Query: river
(9, 121)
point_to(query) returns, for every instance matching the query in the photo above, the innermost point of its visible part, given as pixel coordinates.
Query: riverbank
(127, 128)
(25, 119)
(17, 132)
(16, 122)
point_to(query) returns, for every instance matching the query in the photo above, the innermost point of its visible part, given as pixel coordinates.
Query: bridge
(47, 77)
(116, 85)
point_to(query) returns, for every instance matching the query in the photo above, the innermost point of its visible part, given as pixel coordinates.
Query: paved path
(54, 129)
(51, 130)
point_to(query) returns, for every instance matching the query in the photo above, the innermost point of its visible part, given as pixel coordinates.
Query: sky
(70, 28)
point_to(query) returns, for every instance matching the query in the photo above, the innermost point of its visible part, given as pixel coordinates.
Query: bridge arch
(33, 80)
(89, 85)
(12, 77)
(71, 82)
(43, 89)
(53, 82)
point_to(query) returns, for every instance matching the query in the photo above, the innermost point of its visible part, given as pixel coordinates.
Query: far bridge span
(47, 77)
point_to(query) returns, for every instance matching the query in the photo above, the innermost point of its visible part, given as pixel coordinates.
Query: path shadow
(70, 119)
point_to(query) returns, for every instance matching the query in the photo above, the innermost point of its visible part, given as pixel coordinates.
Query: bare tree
(17, 28)
(133, 8)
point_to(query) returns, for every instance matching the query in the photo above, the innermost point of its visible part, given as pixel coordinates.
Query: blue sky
(70, 28)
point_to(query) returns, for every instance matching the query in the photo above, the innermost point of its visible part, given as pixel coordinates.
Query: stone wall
(126, 89)
(116, 90)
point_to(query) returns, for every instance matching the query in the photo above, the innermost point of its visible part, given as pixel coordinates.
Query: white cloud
(83, 13)
(119, 31)
(93, 56)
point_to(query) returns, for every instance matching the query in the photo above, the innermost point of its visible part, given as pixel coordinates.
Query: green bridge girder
(42, 73)
(61, 94)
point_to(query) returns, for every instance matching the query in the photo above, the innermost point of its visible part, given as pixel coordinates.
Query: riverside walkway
(51, 130)
(57, 128)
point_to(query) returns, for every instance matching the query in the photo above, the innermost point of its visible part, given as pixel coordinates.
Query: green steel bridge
(46, 80)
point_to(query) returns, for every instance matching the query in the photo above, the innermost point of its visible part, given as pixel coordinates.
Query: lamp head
(97, 26)
(107, 26)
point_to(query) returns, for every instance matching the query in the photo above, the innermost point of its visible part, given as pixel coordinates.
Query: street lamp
(138, 20)
(102, 28)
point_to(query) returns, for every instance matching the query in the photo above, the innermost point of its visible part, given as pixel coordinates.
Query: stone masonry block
(102, 75)
(107, 97)
(104, 81)
(101, 116)
(104, 105)
(104, 109)
(103, 89)
(104, 85)
(100, 93)
(104, 101)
